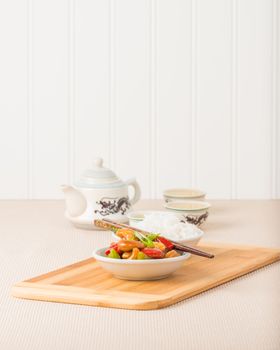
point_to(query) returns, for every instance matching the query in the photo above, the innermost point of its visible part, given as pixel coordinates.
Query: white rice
(169, 225)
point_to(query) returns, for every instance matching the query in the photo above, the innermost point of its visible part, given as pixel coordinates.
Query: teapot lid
(98, 177)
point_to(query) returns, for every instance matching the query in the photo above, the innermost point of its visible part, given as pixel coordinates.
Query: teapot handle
(137, 192)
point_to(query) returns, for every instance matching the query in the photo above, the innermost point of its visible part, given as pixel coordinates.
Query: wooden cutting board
(88, 284)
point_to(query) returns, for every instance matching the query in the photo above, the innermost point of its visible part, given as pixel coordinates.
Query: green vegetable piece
(141, 256)
(145, 240)
(153, 236)
(114, 254)
(148, 243)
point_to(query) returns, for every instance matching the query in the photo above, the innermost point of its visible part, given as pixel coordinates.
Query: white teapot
(99, 194)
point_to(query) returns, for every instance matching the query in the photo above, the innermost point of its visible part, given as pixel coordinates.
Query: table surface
(242, 314)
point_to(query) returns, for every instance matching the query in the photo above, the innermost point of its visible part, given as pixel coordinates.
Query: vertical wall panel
(212, 139)
(173, 94)
(13, 99)
(177, 93)
(92, 83)
(254, 61)
(130, 46)
(49, 109)
(277, 96)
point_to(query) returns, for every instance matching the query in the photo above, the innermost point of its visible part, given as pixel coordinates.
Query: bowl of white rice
(169, 225)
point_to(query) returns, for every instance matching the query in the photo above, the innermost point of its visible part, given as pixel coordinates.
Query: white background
(175, 92)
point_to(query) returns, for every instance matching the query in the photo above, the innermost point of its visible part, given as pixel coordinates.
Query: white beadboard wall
(175, 92)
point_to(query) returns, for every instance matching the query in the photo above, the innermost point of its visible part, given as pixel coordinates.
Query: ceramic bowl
(183, 194)
(139, 270)
(194, 212)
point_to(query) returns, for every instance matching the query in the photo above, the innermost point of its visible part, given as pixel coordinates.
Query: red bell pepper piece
(112, 246)
(153, 253)
(107, 252)
(169, 245)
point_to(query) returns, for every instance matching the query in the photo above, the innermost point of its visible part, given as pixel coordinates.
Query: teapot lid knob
(98, 162)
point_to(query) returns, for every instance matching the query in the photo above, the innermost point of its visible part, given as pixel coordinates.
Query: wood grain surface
(88, 284)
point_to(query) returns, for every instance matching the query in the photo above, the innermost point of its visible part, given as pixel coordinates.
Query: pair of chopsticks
(111, 225)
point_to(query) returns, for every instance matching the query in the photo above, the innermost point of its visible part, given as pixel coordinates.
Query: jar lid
(98, 177)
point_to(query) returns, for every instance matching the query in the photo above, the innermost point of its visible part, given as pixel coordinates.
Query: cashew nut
(159, 245)
(171, 254)
(126, 255)
(134, 254)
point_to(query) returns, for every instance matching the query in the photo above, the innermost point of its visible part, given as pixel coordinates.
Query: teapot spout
(75, 202)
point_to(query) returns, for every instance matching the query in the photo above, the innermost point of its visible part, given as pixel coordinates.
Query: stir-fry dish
(134, 245)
